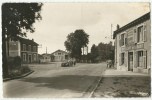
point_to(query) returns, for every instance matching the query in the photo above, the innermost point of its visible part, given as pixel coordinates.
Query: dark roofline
(27, 40)
(31, 41)
(59, 50)
(135, 22)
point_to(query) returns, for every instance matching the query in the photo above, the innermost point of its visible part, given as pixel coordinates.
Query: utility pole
(111, 31)
(46, 50)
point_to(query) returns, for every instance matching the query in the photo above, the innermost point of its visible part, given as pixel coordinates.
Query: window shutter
(135, 35)
(135, 59)
(126, 41)
(126, 60)
(145, 59)
(120, 40)
(145, 33)
(120, 59)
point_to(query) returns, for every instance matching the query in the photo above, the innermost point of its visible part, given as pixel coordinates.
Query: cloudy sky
(60, 19)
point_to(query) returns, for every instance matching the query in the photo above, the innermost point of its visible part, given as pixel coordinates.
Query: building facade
(25, 48)
(59, 56)
(133, 45)
(44, 58)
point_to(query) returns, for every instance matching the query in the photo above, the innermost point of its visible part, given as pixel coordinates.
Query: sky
(60, 19)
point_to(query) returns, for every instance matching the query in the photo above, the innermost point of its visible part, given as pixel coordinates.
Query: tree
(17, 19)
(106, 51)
(75, 41)
(94, 53)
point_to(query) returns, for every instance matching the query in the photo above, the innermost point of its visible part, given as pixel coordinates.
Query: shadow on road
(79, 82)
(70, 82)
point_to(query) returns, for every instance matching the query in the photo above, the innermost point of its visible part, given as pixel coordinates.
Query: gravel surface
(123, 84)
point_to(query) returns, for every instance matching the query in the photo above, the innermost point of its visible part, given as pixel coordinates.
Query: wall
(133, 47)
(14, 48)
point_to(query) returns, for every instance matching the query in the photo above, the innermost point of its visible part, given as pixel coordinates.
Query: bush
(17, 61)
(14, 62)
(25, 69)
(14, 73)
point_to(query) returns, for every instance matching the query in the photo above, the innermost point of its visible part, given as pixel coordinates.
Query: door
(30, 59)
(130, 61)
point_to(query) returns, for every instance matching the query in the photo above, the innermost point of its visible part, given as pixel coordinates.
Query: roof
(133, 23)
(27, 41)
(59, 51)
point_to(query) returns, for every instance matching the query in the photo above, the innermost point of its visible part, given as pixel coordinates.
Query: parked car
(65, 63)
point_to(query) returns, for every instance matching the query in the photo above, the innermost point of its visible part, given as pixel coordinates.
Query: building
(25, 48)
(59, 56)
(44, 58)
(133, 45)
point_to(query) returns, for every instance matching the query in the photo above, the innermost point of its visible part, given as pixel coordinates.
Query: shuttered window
(140, 34)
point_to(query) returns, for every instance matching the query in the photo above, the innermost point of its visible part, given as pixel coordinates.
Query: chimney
(118, 26)
(32, 39)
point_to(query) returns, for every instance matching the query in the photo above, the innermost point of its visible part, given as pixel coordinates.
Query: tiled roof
(27, 41)
(133, 23)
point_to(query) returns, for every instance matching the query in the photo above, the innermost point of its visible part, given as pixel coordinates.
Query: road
(53, 81)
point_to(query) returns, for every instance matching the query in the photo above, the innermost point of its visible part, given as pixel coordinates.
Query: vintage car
(65, 63)
(68, 63)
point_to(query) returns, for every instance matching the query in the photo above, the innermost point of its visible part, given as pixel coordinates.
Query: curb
(96, 86)
(24, 75)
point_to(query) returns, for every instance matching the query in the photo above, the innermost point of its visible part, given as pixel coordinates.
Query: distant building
(59, 56)
(44, 58)
(133, 45)
(25, 48)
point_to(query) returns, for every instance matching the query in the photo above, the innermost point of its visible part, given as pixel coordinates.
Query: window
(122, 58)
(29, 48)
(24, 47)
(34, 48)
(122, 39)
(140, 34)
(140, 58)
(59, 53)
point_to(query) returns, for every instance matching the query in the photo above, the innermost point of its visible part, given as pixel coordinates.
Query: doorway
(30, 58)
(130, 61)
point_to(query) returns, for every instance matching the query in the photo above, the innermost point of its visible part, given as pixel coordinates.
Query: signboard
(140, 46)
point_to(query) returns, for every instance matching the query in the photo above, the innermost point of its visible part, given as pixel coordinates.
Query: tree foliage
(17, 19)
(102, 52)
(75, 41)
(94, 53)
(106, 51)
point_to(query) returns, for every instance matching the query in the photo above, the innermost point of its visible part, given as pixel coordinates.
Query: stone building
(133, 45)
(25, 48)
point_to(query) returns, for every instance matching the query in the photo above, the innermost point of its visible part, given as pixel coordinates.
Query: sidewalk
(123, 84)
